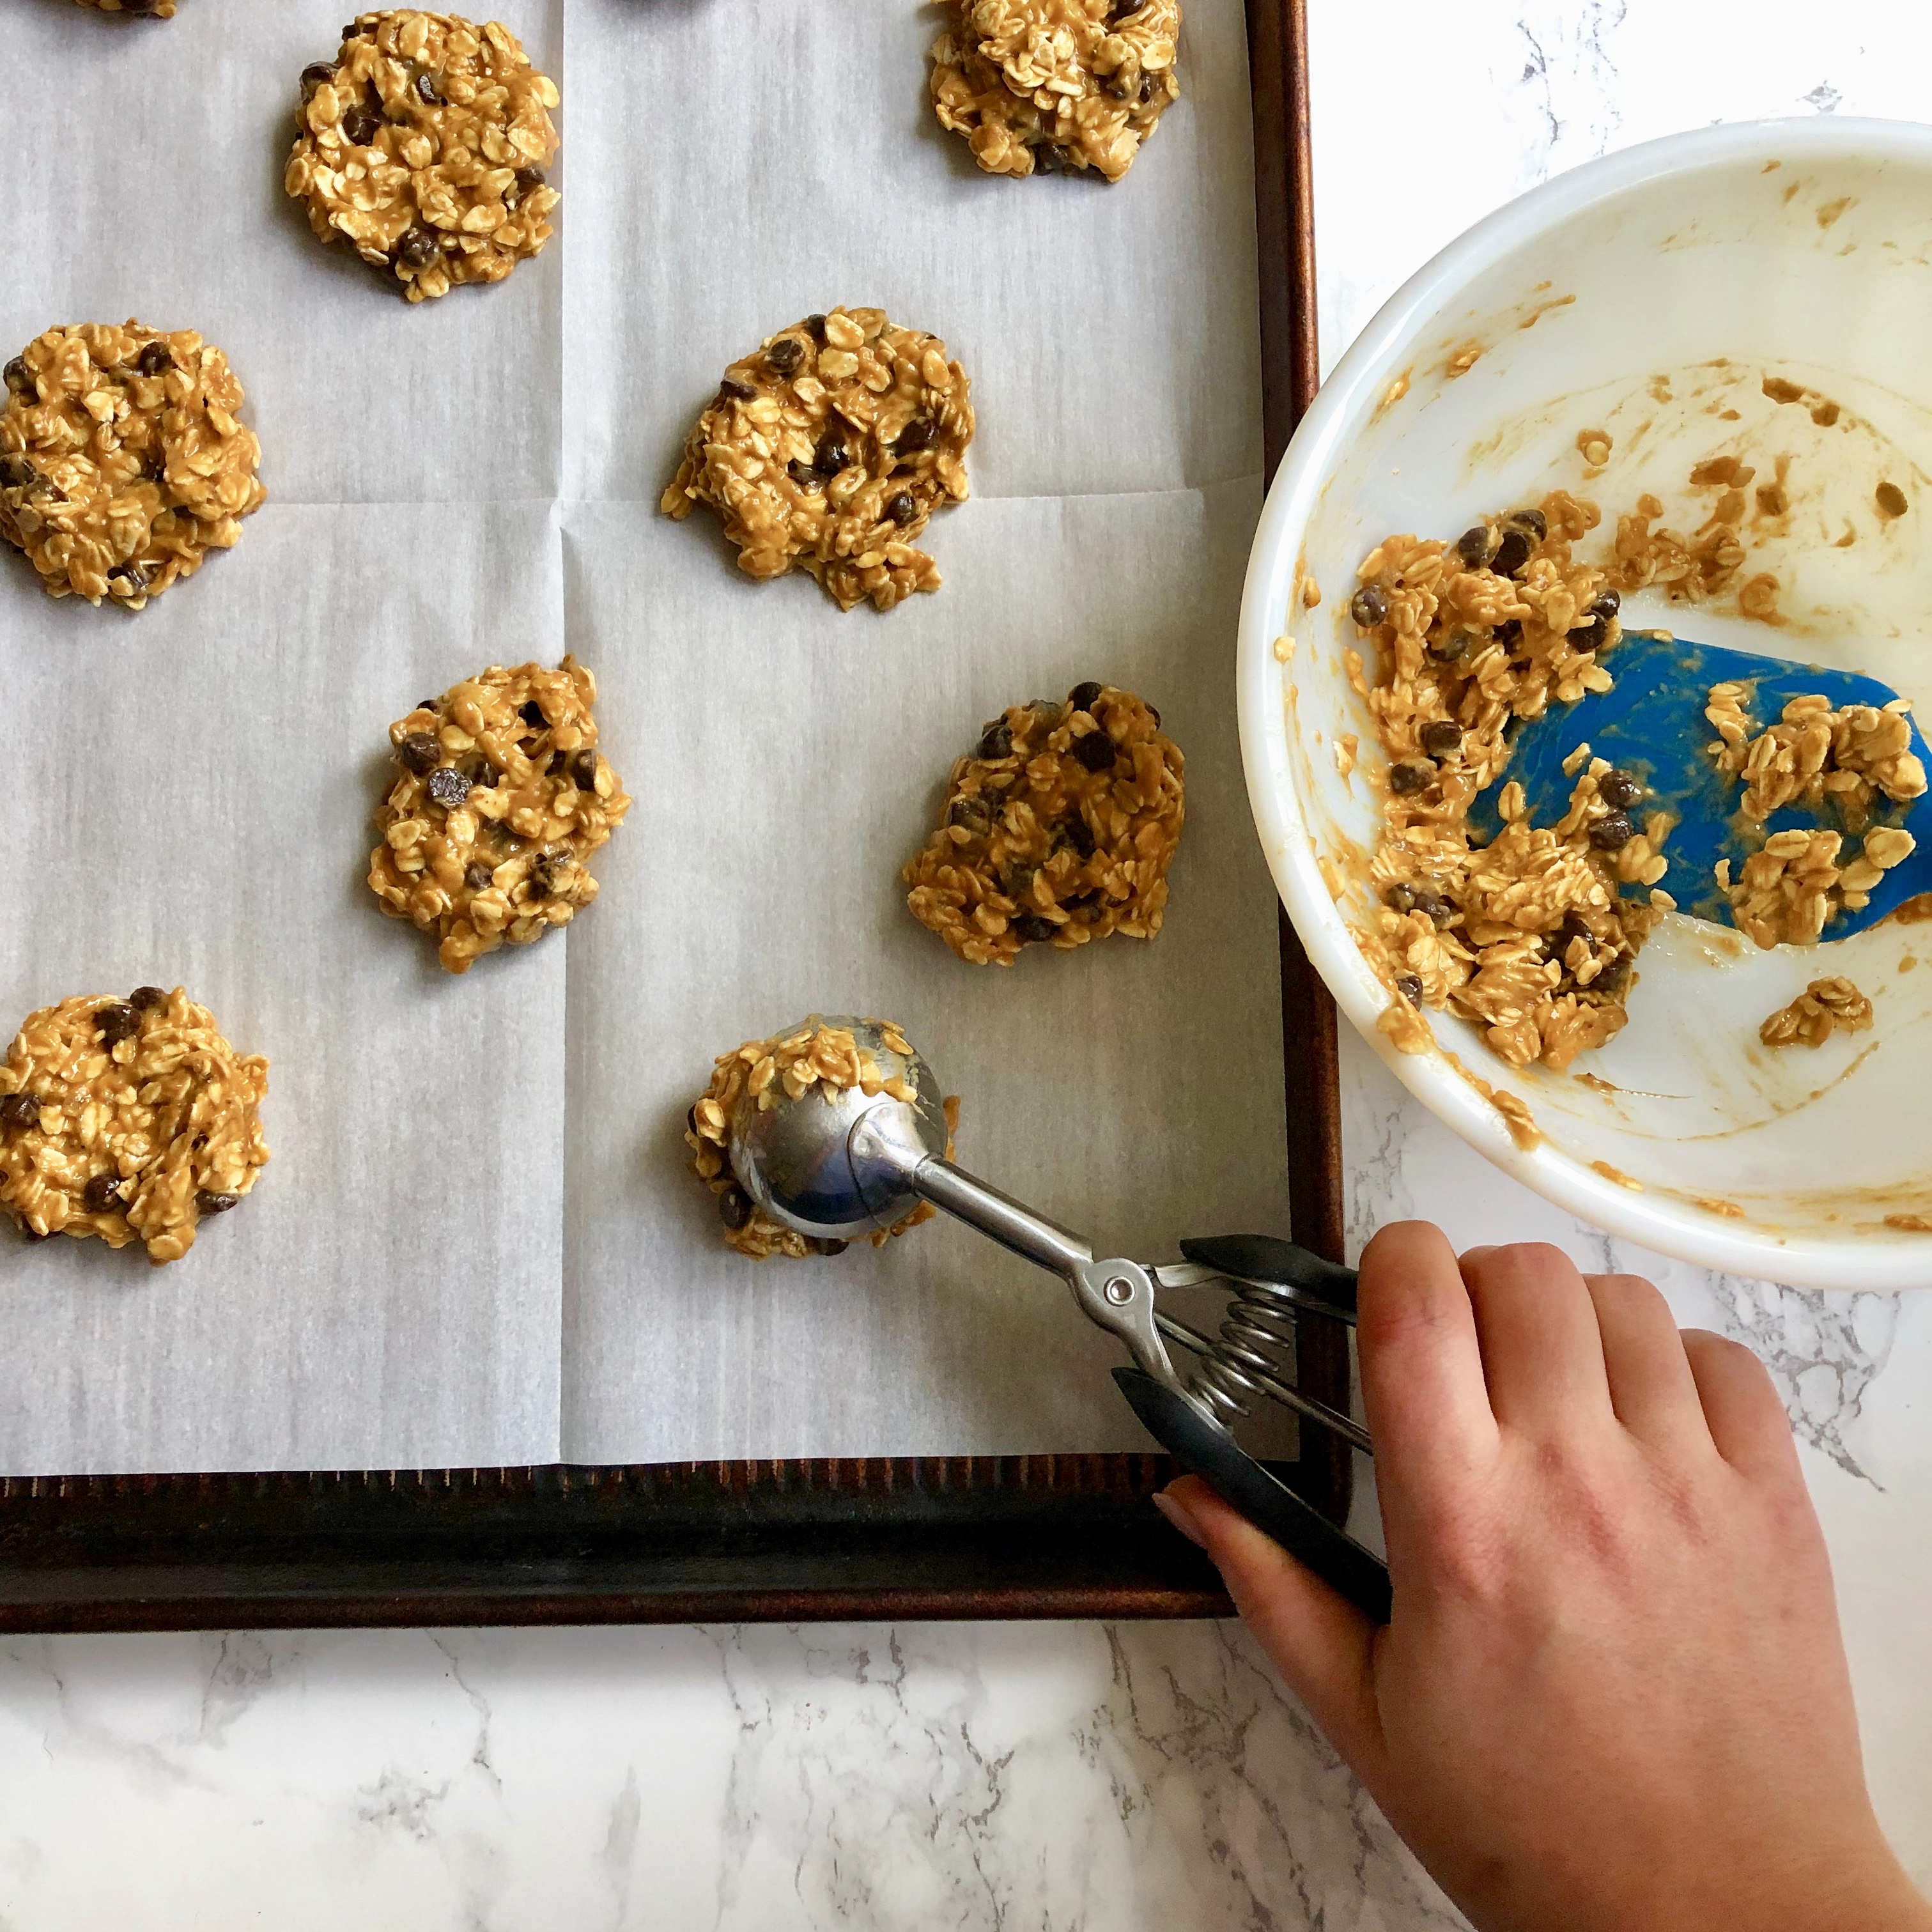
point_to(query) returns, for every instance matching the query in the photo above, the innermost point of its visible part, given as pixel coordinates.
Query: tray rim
(880, 1538)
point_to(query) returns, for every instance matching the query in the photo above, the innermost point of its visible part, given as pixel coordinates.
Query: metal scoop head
(812, 1166)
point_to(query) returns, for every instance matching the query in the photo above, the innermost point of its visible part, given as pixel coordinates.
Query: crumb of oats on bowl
(829, 447)
(423, 143)
(132, 1120)
(122, 461)
(815, 1055)
(1058, 827)
(1825, 1006)
(501, 798)
(1041, 87)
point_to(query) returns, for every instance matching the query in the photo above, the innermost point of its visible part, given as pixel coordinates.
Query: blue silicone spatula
(1650, 722)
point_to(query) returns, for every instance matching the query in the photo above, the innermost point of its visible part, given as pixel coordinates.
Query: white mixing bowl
(1801, 249)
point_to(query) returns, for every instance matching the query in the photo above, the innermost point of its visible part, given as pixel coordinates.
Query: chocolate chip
(102, 1194)
(316, 74)
(142, 998)
(1084, 697)
(419, 751)
(996, 740)
(582, 770)
(1452, 646)
(1033, 928)
(1534, 521)
(814, 327)
(1607, 604)
(1016, 882)
(1075, 832)
(527, 179)
(1509, 631)
(917, 435)
(831, 456)
(1613, 831)
(448, 787)
(531, 712)
(734, 1206)
(19, 379)
(117, 1022)
(156, 359)
(1400, 897)
(208, 1202)
(15, 473)
(820, 1244)
(1097, 752)
(1410, 988)
(1369, 606)
(1473, 546)
(1410, 776)
(1613, 978)
(1512, 554)
(1439, 911)
(477, 876)
(974, 814)
(1441, 738)
(427, 91)
(361, 124)
(803, 475)
(547, 868)
(18, 1112)
(130, 576)
(419, 247)
(1620, 788)
(426, 704)
(1148, 84)
(1049, 157)
(1590, 635)
(901, 509)
(786, 354)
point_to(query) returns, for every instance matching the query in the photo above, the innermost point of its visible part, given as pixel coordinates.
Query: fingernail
(1178, 1515)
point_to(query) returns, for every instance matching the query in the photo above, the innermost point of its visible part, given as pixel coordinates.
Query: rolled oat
(1059, 826)
(501, 799)
(122, 462)
(793, 1064)
(424, 144)
(1041, 86)
(1824, 1007)
(129, 1119)
(830, 448)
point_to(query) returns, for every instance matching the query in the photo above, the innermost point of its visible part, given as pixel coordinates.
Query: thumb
(1323, 1646)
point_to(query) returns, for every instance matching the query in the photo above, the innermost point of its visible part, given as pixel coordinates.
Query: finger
(1320, 1643)
(1422, 1374)
(1652, 1390)
(1542, 1355)
(1747, 1421)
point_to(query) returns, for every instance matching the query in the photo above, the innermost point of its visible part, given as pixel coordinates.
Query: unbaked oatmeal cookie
(793, 1064)
(123, 462)
(129, 1119)
(1058, 827)
(502, 799)
(829, 449)
(1043, 86)
(423, 142)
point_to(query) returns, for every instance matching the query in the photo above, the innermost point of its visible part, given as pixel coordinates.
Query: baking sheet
(476, 1243)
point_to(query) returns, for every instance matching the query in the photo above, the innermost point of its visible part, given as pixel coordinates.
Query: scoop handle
(1001, 1218)
(1270, 1505)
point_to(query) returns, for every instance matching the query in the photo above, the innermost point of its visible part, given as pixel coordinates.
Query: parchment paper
(477, 1243)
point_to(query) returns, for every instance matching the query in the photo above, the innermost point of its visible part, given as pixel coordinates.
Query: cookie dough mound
(1060, 826)
(144, 10)
(793, 1064)
(122, 463)
(829, 449)
(1041, 86)
(502, 798)
(425, 143)
(130, 1119)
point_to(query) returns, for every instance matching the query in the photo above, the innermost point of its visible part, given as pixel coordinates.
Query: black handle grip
(1264, 1258)
(1211, 1453)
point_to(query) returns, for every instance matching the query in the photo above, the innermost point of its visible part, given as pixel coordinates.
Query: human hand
(1612, 1694)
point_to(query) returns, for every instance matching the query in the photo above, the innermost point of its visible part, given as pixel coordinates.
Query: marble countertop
(1048, 1776)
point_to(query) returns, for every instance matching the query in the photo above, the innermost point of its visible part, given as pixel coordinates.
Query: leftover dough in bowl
(1746, 299)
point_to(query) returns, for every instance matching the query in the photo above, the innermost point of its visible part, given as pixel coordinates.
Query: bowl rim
(1353, 387)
